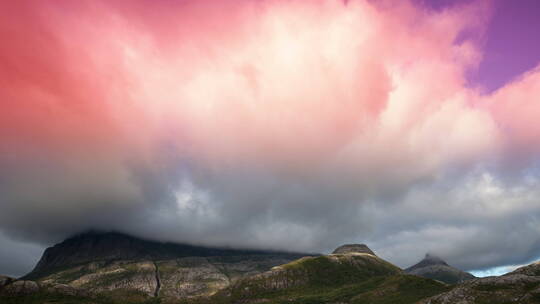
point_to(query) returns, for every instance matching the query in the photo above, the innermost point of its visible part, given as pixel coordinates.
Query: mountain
(352, 275)
(113, 262)
(433, 267)
(113, 246)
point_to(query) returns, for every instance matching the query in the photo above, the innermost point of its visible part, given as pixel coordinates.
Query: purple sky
(512, 41)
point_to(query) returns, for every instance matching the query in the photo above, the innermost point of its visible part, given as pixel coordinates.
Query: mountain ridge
(109, 268)
(104, 262)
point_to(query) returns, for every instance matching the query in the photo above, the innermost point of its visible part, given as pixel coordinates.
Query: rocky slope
(106, 262)
(520, 286)
(433, 267)
(11, 287)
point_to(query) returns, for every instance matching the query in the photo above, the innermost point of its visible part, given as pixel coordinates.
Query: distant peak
(353, 248)
(427, 261)
(433, 267)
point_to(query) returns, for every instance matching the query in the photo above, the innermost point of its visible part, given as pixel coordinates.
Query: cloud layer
(273, 124)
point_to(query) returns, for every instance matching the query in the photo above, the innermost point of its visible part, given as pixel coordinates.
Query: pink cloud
(516, 109)
(292, 86)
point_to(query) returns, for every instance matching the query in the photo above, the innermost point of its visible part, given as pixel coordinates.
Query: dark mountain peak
(94, 246)
(353, 248)
(434, 267)
(428, 260)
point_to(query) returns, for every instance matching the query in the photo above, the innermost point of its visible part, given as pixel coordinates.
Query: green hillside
(357, 278)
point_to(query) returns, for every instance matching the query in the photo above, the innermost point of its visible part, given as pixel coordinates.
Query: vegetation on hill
(357, 278)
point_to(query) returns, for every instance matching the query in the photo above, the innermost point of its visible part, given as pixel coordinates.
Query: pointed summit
(433, 267)
(353, 248)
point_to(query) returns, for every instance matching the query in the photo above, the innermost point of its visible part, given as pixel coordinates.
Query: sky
(410, 126)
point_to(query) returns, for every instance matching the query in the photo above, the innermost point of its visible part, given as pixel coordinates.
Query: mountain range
(110, 268)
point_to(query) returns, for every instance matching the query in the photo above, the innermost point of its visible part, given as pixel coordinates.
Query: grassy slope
(395, 289)
(349, 279)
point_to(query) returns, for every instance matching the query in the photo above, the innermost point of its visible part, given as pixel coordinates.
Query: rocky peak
(353, 248)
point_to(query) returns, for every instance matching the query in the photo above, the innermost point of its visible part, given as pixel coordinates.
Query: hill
(354, 276)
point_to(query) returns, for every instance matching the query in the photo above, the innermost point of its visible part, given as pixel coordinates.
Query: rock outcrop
(67, 290)
(108, 276)
(21, 287)
(353, 248)
(5, 280)
(433, 267)
(14, 288)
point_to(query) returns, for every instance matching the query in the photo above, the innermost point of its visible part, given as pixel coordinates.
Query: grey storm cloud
(475, 220)
(18, 257)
